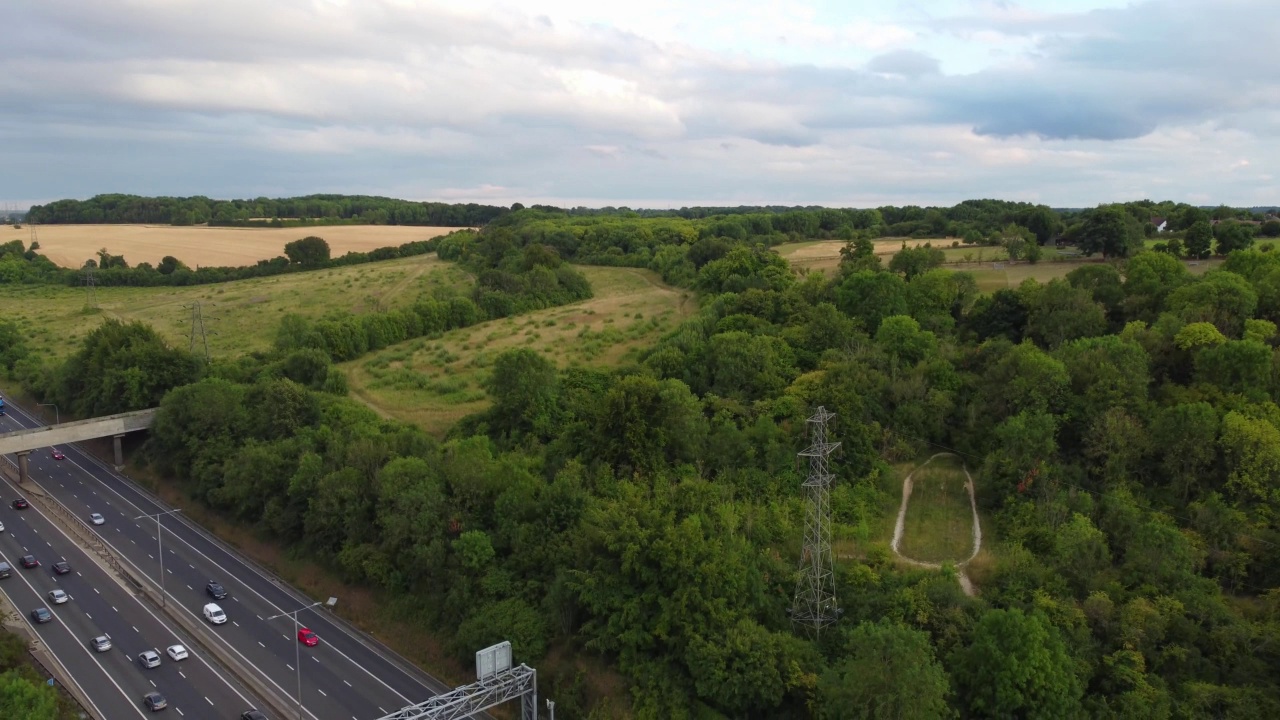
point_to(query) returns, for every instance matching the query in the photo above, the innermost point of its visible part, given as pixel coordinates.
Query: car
(154, 701)
(5, 569)
(102, 643)
(29, 561)
(1, 527)
(214, 614)
(177, 652)
(20, 504)
(308, 638)
(215, 590)
(252, 715)
(57, 597)
(97, 519)
(41, 615)
(62, 567)
(149, 659)
(57, 454)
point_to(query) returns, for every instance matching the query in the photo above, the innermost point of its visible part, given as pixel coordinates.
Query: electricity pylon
(814, 606)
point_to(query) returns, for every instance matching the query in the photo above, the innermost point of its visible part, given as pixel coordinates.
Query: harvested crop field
(198, 245)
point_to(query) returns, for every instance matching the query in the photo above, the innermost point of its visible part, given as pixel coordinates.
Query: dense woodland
(1122, 426)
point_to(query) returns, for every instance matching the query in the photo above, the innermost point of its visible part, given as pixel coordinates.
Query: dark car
(215, 590)
(252, 715)
(62, 567)
(29, 561)
(20, 504)
(41, 615)
(57, 454)
(154, 701)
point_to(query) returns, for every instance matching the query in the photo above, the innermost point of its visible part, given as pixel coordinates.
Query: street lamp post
(297, 645)
(57, 419)
(552, 707)
(160, 543)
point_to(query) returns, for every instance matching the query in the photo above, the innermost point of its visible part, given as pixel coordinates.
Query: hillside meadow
(199, 245)
(240, 316)
(435, 382)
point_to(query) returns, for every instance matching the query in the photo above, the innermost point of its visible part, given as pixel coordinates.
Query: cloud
(671, 101)
(907, 63)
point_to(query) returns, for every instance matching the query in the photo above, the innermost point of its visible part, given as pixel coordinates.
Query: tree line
(262, 211)
(1122, 424)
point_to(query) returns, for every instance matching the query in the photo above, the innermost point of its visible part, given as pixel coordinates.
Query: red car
(57, 454)
(308, 638)
(20, 504)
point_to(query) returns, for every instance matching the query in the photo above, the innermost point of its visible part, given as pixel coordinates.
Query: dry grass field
(242, 315)
(71, 245)
(434, 382)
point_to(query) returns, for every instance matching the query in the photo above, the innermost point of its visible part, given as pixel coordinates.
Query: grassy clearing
(939, 522)
(71, 245)
(243, 315)
(433, 382)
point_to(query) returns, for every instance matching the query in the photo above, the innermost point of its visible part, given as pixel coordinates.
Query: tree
(912, 261)
(170, 264)
(1017, 666)
(1184, 438)
(889, 672)
(645, 423)
(1111, 231)
(1220, 297)
(901, 337)
(22, 699)
(1232, 236)
(122, 367)
(310, 250)
(1236, 366)
(859, 254)
(1251, 447)
(1199, 239)
(872, 296)
(1148, 280)
(1270, 228)
(524, 388)
(1058, 312)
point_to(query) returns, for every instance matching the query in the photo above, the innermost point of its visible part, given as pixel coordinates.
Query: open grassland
(434, 382)
(240, 316)
(198, 245)
(990, 266)
(939, 518)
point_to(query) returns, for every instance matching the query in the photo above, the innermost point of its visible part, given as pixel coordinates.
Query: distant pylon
(814, 606)
(90, 288)
(197, 327)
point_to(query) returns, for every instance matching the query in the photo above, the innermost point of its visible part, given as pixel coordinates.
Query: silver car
(57, 597)
(102, 643)
(149, 658)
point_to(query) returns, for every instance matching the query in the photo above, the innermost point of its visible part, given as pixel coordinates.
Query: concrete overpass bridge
(22, 442)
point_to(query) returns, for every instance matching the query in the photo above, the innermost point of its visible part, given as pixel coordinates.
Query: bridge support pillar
(23, 476)
(115, 440)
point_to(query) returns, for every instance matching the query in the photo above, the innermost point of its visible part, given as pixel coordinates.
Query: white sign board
(493, 660)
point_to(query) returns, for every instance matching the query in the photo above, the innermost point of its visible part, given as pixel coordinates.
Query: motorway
(348, 675)
(114, 681)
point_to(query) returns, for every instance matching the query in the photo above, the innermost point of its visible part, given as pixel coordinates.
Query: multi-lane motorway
(348, 675)
(114, 681)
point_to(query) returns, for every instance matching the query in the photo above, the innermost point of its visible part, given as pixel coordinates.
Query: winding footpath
(965, 583)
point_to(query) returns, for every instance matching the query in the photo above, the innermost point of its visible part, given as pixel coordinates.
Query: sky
(659, 103)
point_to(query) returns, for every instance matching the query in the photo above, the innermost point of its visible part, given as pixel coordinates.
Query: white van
(214, 614)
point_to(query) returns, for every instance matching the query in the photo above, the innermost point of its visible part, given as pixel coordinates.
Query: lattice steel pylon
(197, 327)
(814, 606)
(90, 288)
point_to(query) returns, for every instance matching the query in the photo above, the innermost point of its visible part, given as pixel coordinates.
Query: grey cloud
(907, 63)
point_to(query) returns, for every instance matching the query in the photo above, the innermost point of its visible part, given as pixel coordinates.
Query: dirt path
(898, 527)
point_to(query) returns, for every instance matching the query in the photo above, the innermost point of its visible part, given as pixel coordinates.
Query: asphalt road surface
(115, 681)
(347, 676)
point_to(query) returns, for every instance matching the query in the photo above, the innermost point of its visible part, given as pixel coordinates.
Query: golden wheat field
(71, 245)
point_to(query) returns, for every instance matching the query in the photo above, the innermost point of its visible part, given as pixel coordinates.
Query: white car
(102, 643)
(149, 658)
(57, 597)
(1, 527)
(177, 652)
(97, 519)
(214, 614)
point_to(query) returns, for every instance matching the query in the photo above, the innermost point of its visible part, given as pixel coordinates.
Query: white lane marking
(322, 692)
(288, 666)
(82, 647)
(208, 700)
(88, 616)
(348, 684)
(260, 643)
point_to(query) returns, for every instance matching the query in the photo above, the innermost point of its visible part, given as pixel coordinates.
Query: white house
(1161, 224)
